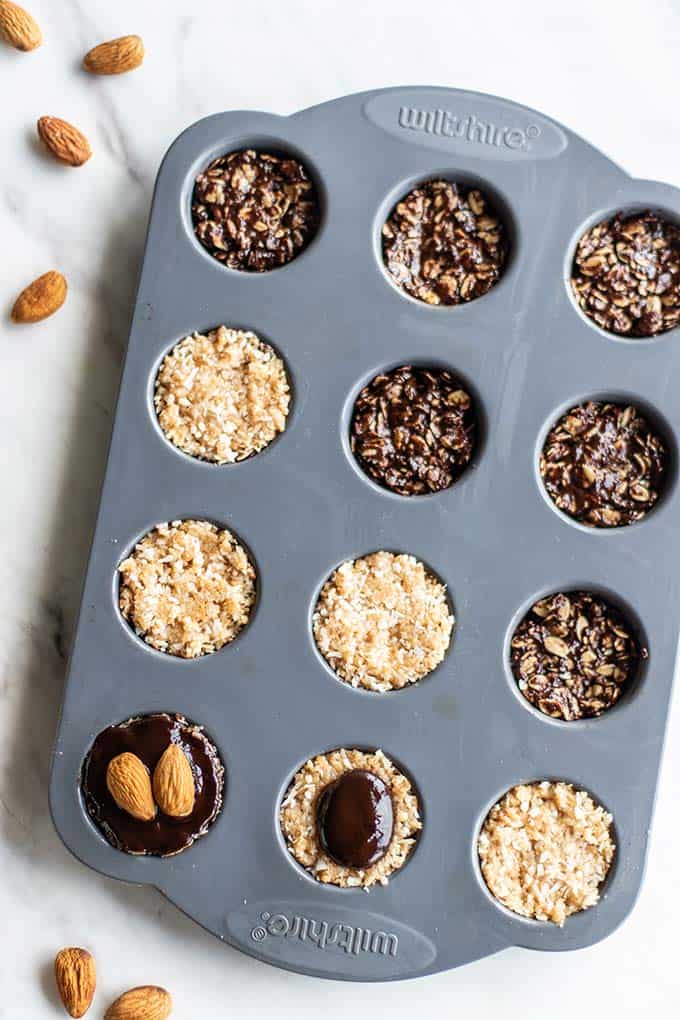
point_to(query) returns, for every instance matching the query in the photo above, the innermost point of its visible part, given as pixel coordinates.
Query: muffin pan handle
(331, 941)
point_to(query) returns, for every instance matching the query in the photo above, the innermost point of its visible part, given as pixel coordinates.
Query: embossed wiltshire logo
(468, 129)
(322, 934)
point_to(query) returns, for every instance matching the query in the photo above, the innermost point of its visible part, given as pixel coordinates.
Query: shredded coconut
(222, 397)
(382, 621)
(545, 850)
(188, 588)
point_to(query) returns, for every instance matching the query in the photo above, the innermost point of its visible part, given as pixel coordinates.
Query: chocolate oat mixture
(443, 244)
(573, 655)
(413, 430)
(254, 211)
(626, 274)
(603, 464)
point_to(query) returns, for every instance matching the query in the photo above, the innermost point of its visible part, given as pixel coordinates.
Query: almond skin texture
(76, 975)
(41, 298)
(116, 56)
(173, 783)
(18, 27)
(65, 142)
(147, 1002)
(129, 784)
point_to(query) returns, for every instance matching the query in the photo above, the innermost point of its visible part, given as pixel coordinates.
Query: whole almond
(127, 779)
(65, 142)
(148, 1002)
(115, 56)
(173, 783)
(41, 298)
(76, 976)
(18, 27)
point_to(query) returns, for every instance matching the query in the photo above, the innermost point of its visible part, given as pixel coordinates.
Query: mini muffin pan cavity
(452, 329)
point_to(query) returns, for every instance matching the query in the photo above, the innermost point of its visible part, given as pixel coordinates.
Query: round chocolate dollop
(148, 737)
(355, 819)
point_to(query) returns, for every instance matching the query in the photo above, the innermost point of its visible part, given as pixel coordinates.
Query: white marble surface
(607, 69)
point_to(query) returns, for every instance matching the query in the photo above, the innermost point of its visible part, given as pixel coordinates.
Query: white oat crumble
(299, 822)
(382, 621)
(545, 849)
(222, 397)
(187, 588)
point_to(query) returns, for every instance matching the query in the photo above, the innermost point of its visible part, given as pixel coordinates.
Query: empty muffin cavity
(604, 464)
(383, 621)
(302, 817)
(188, 588)
(414, 429)
(444, 244)
(626, 274)
(545, 850)
(222, 397)
(255, 211)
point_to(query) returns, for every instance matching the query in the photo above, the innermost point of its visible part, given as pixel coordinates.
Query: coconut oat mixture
(222, 397)
(545, 849)
(382, 621)
(188, 588)
(298, 817)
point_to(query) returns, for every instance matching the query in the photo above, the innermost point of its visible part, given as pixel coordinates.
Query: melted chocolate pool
(355, 819)
(148, 736)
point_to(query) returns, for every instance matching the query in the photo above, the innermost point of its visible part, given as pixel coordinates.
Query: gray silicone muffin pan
(463, 734)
